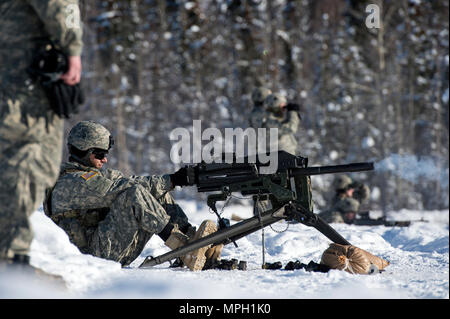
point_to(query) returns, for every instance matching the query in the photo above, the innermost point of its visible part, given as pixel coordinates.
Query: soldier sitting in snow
(111, 216)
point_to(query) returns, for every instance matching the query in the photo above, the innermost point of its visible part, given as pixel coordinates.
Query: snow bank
(418, 255)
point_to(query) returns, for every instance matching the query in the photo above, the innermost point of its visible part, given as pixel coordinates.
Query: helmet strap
(81, 157)
(83, 161)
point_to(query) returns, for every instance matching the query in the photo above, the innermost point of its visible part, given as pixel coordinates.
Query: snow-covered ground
(419, 257)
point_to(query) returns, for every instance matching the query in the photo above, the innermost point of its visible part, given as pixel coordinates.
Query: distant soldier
(361, 192)
(31, 134)
(258, 113)
(345, 187)
(285, 118)
(346, 202)
(341, 185)
(344, 211)
(111, 216)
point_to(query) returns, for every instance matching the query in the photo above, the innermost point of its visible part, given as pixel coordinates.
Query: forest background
(367, 94)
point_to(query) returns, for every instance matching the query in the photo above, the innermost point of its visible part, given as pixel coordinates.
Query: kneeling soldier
(108, 215)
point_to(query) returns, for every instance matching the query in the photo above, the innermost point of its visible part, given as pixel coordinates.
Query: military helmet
(259, 94)
(347, 205)
(341, 182)
(87, 134)
(273, 102)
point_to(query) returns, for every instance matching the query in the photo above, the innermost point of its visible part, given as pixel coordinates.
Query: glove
(293, 107)
(185, 176)
(64, 99)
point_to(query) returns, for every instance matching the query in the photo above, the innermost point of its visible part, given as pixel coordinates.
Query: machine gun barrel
(345, 168)
(214, 177)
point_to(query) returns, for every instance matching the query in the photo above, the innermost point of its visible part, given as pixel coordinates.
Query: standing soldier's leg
(30, 158)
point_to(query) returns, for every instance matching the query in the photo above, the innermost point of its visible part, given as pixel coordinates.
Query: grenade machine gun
(288, 190)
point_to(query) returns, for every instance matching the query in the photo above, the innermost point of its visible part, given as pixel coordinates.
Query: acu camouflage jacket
(81, 188)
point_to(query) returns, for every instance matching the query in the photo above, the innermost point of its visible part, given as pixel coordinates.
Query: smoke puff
(414, 169)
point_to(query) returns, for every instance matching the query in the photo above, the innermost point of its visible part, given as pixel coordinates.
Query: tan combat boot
(176, 239)
(205, 255)
(214, 252)
(195, 260)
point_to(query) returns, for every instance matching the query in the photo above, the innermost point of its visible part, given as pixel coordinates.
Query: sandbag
(351, 259)
(377, 261)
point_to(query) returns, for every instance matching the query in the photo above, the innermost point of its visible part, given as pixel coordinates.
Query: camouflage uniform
(109, 215)
(287, 127)
(30, 133)
(287, 124)
(342, 202)
(336, 213)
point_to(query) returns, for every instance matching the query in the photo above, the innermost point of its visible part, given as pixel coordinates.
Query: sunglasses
(100, 154)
